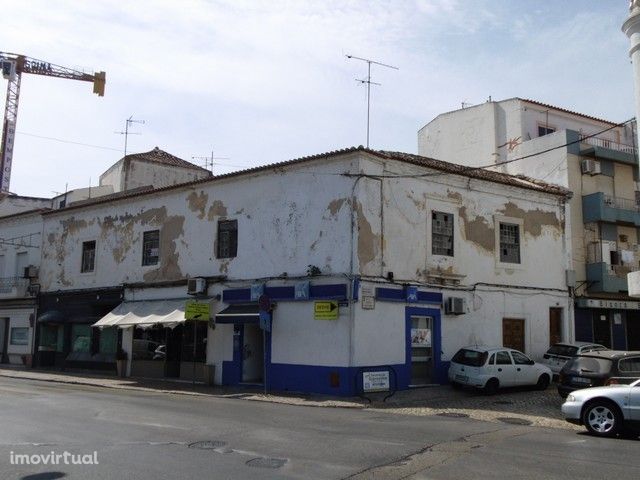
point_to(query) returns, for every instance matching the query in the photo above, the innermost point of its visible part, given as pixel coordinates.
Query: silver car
(559, 353)
(604, 411)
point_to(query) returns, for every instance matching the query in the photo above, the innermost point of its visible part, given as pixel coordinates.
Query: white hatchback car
(559, 353)
(604, 410)
(490, 368)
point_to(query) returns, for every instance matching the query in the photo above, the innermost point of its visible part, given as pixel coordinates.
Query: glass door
(421, 350)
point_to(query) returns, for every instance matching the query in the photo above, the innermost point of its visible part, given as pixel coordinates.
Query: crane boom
(13, 66)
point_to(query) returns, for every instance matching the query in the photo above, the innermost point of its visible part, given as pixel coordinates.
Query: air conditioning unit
(454, 306)
(30, 272)
(590, 166)
(196, 286)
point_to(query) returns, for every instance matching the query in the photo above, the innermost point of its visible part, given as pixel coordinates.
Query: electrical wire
(69, 141)
(497, 164)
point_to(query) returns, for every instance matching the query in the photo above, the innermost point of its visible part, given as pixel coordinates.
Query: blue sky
(263, 82)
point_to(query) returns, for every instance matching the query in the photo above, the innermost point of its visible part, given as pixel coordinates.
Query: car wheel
(491, 387)
(602, 418)
(543, 382)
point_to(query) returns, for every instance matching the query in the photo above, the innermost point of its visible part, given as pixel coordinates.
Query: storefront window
(149, 343)
(80, 338)
(108, 340)
(51, 338)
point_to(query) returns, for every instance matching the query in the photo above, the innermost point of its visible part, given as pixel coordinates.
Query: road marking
(577, 441)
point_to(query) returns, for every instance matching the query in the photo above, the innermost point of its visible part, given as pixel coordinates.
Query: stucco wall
(478, 208)
(140, 173)
(286, 222)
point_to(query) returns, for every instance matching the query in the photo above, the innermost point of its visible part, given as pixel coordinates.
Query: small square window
(227, 238)
(509, 243)
(88, 257)
(150, 247)
(545, 130)
(442, 233)
(19, 336)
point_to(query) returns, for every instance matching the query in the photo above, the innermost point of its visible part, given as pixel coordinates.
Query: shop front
(159, 341)
(65, 337)
(612, 323)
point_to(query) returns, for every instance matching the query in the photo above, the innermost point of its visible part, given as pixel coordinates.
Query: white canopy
(145, 314)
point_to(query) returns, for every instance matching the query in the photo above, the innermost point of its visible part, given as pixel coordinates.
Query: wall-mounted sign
(375, 381)
(265, 320)
(302, 291)
(411, 293)
(197, 311)
(368, 303)
(326, 310)
(257, 289)
(613, 304)
(367, 291)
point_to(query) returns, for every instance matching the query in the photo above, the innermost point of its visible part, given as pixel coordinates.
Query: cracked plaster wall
(284, 226)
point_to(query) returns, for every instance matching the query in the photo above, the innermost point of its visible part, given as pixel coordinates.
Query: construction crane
(13, 66)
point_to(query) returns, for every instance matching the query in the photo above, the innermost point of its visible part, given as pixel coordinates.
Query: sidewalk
(525, 407)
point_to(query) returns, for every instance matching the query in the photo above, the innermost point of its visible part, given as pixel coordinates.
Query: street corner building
(307, 275)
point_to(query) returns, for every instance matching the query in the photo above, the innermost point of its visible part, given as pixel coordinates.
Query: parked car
(559, 353)
(605, 411)
(598, 368)
(490, 368)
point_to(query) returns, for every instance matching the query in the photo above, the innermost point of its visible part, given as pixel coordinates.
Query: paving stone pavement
(538, 408)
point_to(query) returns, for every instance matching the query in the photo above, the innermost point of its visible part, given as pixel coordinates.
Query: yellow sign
(196, 311)
(325, 310)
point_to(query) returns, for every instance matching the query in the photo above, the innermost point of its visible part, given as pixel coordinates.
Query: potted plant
(121, 362)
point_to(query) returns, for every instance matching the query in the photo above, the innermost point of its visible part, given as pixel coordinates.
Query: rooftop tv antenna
(369, 83)
(209, 161)
(126, 132)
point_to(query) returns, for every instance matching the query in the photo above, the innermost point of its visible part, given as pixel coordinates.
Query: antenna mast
(369, 83)
(209, 161)
(126, 132)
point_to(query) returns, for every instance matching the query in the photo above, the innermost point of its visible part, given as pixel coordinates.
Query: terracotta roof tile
(160, 156)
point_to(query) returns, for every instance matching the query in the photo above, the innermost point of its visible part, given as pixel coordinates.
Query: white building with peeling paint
(315, 270)
(595, 159)
(20, 242)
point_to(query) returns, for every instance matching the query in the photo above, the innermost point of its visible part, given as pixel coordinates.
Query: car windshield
(472, 358)
(589, 365)
(564, 350)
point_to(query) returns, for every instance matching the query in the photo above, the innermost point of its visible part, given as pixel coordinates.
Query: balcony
(599, 207)
(608, 149)
(603, 277)
(14, 287)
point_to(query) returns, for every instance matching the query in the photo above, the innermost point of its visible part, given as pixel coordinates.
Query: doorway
(513, 333)
(421, 350)
(555, 325)
(4, 340)
(602, 329)
(252, 354)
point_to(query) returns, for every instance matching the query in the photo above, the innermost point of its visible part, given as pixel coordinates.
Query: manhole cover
(453, 415)
(514, 421)
(267, 462)
(207, 444)
(503, 402)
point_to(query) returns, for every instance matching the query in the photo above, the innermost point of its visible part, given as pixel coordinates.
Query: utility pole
(369, 83)
(126, 132)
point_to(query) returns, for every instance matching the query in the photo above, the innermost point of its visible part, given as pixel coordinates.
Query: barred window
(442, 233)
(88, 256)
(509, 243)
(227, 238)
(150, 247)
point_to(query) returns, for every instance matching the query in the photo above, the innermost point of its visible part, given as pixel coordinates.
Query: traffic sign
(325, 310)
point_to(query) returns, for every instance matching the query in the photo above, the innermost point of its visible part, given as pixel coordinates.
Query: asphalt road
(142, 435)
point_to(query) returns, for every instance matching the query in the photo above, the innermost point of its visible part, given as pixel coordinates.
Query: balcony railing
(622, 203)
(13, 287)
(610, 144)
